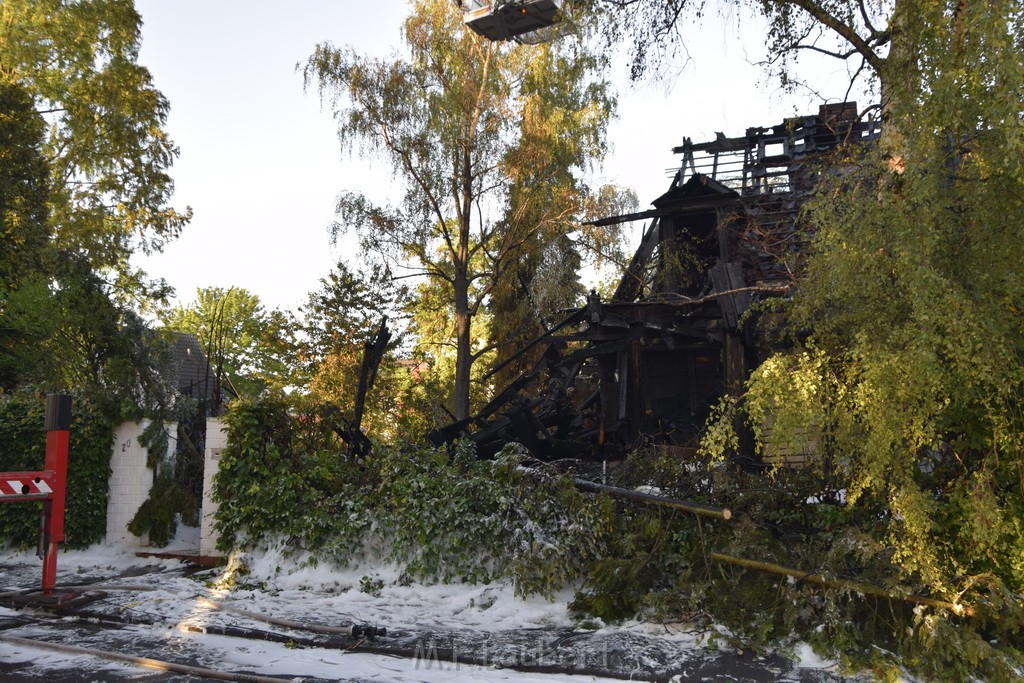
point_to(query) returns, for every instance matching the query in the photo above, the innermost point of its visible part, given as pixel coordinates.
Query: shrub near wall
(23, 448)
(442, 516)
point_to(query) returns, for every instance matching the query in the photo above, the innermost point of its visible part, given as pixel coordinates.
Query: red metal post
(58, 436)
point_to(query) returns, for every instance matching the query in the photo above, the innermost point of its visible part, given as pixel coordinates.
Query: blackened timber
(697, 193)
(525, 431)
(661, 212)
(626, 218)
(373, 353)
(575, 317)
(730, 288)
(637, 397)
(600, 350)
(510, 393)
(632, 281)
(670, 337)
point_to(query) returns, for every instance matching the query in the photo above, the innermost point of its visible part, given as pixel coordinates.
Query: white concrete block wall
(216, 440)
(130, 481)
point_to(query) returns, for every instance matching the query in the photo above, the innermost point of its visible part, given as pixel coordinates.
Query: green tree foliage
(348, 308)
(461, 121)
(912, 296)
(83, 182)
(339, 320)
(105, 143)
(24, 224)
(249, 348)
(66, 328)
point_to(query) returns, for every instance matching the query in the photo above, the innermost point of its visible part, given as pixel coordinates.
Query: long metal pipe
(663, 501)
(848, 584)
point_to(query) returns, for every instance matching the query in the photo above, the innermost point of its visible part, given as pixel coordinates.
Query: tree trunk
(463, 350)
(899, 81)
(463, 314)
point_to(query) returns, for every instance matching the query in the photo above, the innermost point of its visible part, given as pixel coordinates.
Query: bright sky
(261, 166)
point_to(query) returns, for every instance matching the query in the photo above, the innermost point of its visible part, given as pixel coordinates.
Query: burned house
(648, 365)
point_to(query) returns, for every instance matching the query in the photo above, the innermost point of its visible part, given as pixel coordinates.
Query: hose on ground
(141, 661)
(356, 631)
(211, 629)
(428, 652)
(106, 587)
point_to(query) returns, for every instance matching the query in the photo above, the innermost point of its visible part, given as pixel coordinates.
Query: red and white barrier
(28, 486)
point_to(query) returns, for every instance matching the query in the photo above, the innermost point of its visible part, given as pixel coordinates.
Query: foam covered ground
(507, 637)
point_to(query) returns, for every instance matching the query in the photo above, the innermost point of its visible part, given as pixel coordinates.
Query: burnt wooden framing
(647, 366)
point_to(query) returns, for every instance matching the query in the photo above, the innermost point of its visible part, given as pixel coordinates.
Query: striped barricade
(18, 486)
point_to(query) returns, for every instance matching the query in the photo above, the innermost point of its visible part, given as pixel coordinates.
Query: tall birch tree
(458, 118)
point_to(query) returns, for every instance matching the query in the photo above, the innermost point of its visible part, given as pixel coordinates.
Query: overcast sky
(260, 164)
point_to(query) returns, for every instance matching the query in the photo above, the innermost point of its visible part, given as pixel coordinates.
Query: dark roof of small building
(698, 186)
(190, 367)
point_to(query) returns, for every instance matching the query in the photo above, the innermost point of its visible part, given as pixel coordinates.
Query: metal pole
(615, 492)
(58, 436)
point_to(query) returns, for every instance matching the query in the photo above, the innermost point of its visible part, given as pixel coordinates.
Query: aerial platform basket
(510, 19)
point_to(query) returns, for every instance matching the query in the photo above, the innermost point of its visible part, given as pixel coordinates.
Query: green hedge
(23, 448)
